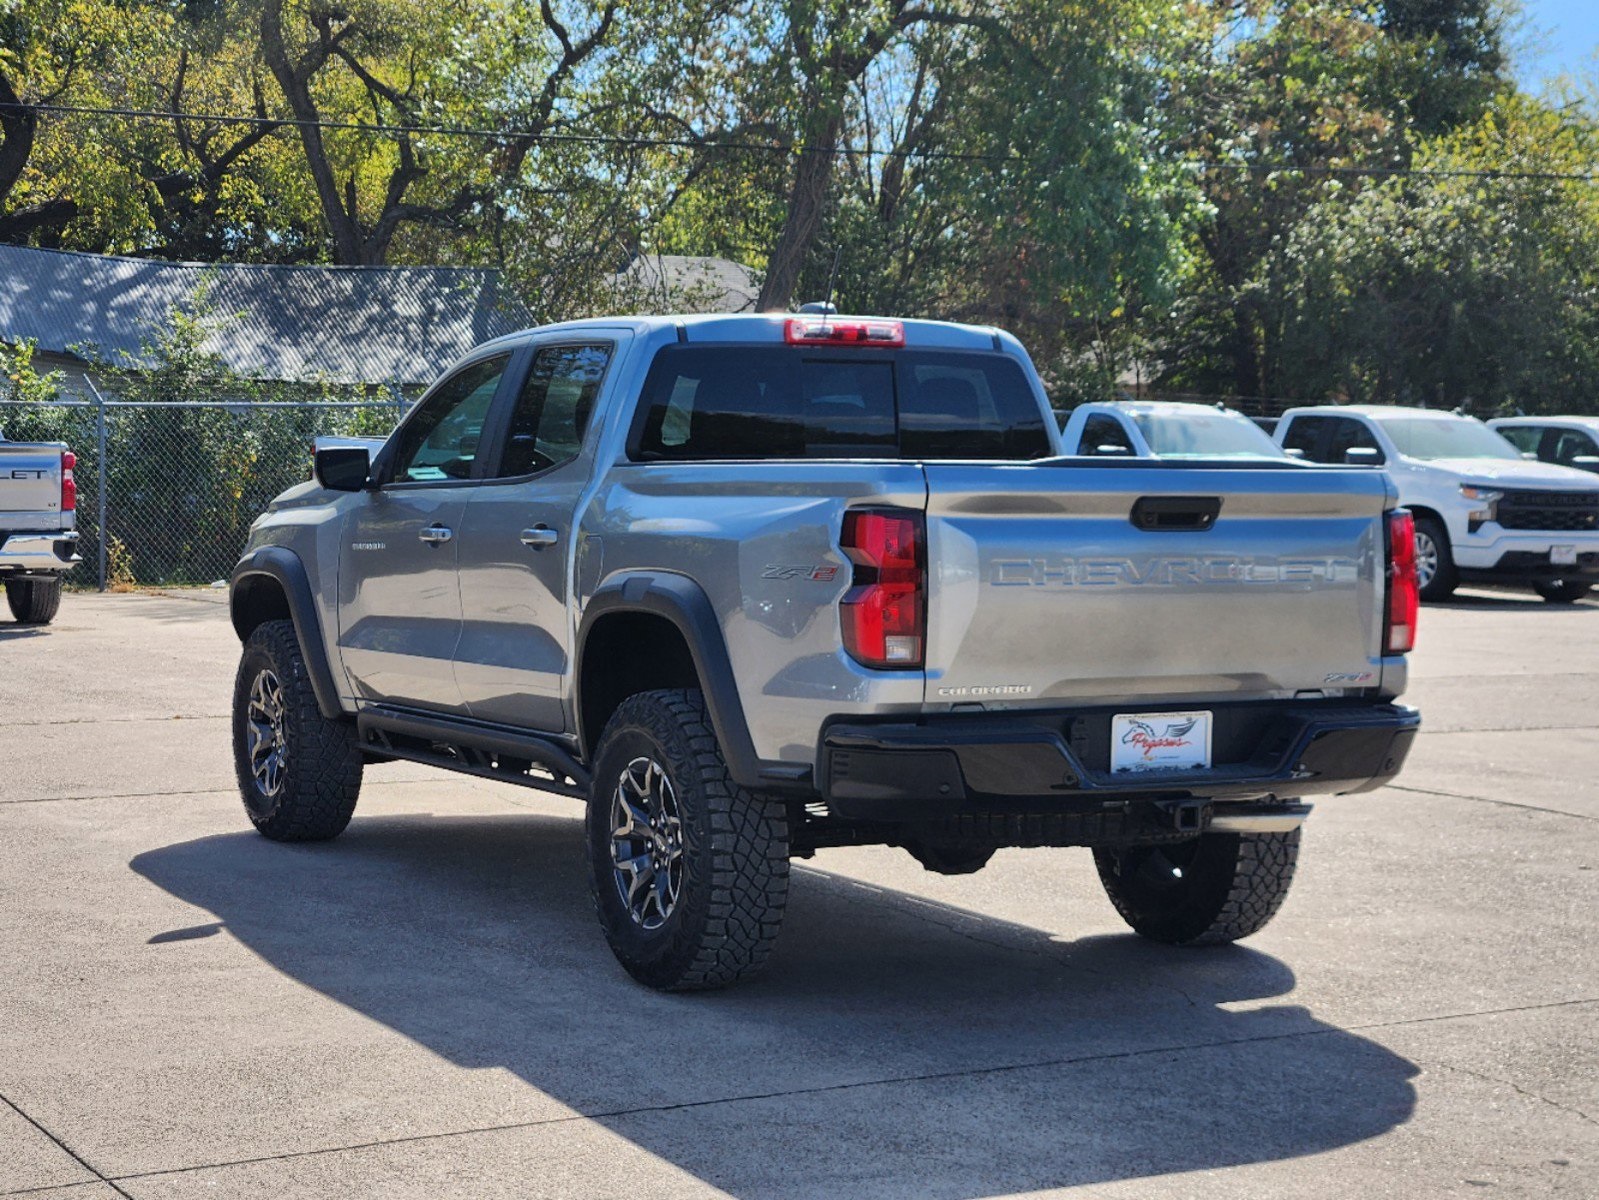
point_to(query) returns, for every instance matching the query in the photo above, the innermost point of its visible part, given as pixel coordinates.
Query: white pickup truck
(1484, 513)
(38, 541)
(1165, 429)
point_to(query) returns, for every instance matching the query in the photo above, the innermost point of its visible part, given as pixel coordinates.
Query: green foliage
(1170, 186)
(1454, 288)
(20, 381)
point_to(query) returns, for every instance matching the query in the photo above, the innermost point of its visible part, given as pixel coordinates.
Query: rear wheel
(299, 773)
(33, 601)
(1562, 591)
(1216, 888)
(689, 871)
(1435, 561)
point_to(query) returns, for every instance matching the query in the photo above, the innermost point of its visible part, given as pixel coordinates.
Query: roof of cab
(1551, 422)
(1174, 406)
(1376, 410)
(757, 328)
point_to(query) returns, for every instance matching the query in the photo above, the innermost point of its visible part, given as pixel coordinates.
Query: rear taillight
(830, 331)
(884, 614)
(69, 485)
(1404, 592)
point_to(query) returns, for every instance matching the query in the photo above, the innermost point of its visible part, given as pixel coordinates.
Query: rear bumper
(1057, 762)
(38, 553)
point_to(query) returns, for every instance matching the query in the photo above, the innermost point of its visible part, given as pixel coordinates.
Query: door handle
(436, 535)
(540, 536)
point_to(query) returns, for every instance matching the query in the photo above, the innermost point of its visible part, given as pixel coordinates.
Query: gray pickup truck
(38, 541)
(756, 585)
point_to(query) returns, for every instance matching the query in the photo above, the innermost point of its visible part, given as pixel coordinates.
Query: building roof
(681, 283)
(343, 324)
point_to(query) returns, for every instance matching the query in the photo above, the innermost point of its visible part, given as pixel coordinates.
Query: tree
(1473, 282)
(410, 64)
(1451, 60)
(1280, 105)
(52, 52)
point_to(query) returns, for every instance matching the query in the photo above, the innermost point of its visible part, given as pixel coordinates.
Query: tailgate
(30, 486)
(1044, 590)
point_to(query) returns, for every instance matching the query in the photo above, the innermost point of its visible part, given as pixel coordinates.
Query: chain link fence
(167, 490)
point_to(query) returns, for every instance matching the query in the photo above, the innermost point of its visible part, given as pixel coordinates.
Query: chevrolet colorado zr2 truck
(38, 538)
(754, 585)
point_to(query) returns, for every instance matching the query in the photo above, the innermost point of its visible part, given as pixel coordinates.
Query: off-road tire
(321, 773)
(1231, 885)
(734, 851)
(1447, 578)
(33, 601)
(1562, 591)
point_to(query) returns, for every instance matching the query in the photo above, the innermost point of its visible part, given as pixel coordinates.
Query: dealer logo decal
(1169, 736)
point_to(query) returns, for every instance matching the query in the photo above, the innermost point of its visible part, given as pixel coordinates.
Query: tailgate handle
(1173, 514)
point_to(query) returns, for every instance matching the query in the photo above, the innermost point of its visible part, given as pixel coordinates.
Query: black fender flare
(285, 568)
(684, 603)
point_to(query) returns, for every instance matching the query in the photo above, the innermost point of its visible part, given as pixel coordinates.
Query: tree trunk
(18, 127)
(294, 80)
(1246, 351)
(806, 198)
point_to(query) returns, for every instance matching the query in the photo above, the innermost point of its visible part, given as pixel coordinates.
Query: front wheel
(299, 772)
(1435, 560)
(34, 601)
(1562, 591)
(1217, 888)
(689, 872)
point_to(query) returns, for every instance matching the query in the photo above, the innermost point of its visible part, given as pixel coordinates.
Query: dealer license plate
(1159, 741)
(1562, 556)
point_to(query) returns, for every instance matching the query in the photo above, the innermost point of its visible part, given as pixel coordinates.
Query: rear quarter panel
(761, 539)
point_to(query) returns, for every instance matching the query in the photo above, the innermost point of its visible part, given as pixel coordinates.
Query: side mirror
(343, 468)
(1362, 456)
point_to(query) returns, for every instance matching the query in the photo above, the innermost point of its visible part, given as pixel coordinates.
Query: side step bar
(473, 748)
(1257, 818)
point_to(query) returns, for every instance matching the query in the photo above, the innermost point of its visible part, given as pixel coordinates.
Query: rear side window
(722, 402)
(552, 412)
(1571, 444)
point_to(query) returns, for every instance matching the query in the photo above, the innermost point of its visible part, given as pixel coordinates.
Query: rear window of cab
(742, 402)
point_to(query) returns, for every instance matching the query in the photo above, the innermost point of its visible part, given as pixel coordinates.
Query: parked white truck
(1484, 513)
(38, 541)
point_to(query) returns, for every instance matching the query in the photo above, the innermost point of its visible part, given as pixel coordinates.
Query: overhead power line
(711, 143)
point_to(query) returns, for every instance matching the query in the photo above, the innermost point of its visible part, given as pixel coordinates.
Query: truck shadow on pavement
(895, 1047)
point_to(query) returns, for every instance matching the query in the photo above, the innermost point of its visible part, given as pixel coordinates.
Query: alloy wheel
(1426, 559)
(269, 747)
(646, 843)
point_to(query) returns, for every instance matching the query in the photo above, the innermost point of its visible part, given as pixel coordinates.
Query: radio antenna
(832, 278)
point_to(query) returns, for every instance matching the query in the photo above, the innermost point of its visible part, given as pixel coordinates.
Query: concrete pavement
(425, 1007)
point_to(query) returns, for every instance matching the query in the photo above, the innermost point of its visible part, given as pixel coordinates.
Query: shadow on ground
(1022, 1062)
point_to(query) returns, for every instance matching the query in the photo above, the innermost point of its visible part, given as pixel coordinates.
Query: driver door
(399, 602)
